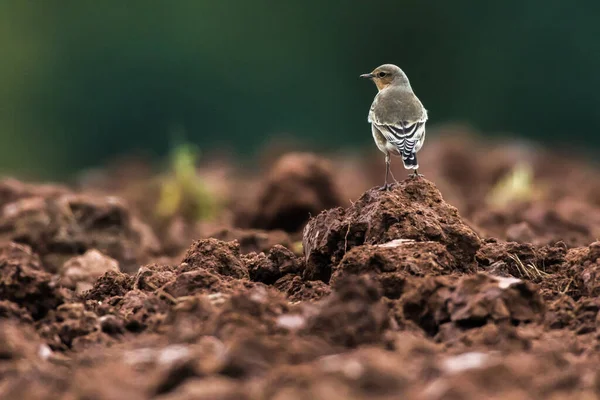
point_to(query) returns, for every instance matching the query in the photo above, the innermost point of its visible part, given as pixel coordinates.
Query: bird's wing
(402, 134)
(401, 130)
(400, 120)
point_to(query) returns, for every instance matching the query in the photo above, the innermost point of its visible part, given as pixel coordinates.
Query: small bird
(397, 118)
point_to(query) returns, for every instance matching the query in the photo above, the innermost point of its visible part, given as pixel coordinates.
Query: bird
(397, 118)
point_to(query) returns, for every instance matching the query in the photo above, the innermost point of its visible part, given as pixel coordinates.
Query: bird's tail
(410, 161)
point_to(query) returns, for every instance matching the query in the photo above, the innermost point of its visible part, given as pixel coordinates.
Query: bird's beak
(367, 76)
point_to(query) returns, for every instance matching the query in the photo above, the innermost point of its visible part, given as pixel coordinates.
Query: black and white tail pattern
(410, 160)
(407, 138)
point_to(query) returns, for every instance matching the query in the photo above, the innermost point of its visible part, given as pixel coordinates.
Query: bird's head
(387, 74)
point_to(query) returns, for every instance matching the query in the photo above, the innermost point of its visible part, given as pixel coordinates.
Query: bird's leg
(387, 173)
(393, 177)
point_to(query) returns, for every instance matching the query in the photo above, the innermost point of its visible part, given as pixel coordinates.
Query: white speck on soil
(44, 352)
(218, 298)
(505, 283)
(352, 369)
(396, 243)
(291, 321)
(465, 361)
(139, 356)
(258, 295)
(173, 353)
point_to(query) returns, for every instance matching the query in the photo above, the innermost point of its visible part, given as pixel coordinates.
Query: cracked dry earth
(395, 296)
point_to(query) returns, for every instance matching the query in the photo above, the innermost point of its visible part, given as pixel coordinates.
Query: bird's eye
(381, 74)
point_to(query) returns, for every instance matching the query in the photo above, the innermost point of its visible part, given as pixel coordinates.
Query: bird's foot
(416, 175)
(385, 188)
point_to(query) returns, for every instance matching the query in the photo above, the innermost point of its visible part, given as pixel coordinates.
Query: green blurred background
(82, 81)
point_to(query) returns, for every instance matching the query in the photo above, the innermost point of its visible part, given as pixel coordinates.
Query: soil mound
(413, 210)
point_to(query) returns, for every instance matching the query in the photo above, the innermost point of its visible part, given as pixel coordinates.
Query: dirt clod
(298, 186)
(482, 298)
(391, 263)
(352, 315)
(413, 210)
(585, 266)
(109, 285)
(254, 240)
(24, 281)
(298, 289)
(270, 267)
(66, 324)
(79, 273)
(216, 256)
(62, 226)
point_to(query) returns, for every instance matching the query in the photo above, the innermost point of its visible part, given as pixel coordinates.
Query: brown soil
(397, 295)
(298, 185)
(414, 210)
